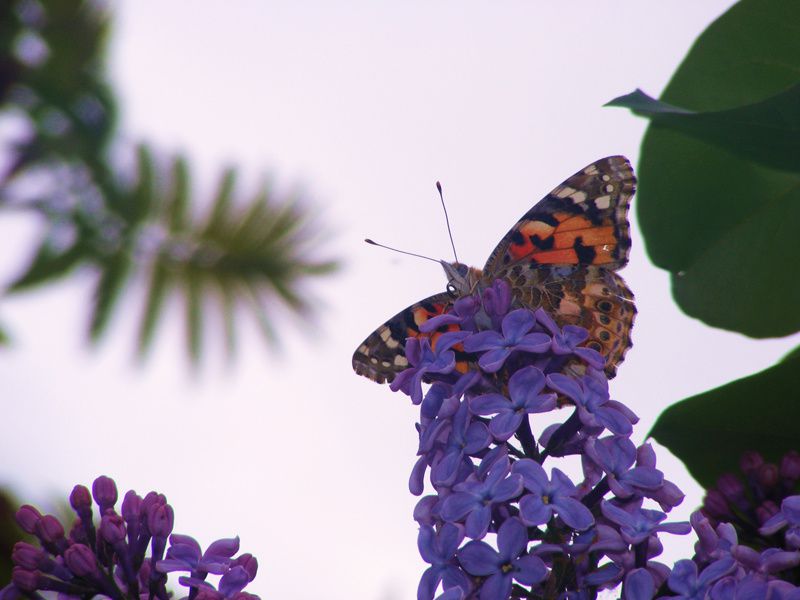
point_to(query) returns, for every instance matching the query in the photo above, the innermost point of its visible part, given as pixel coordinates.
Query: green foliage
(712, 430)
(719, 207)
(719, 200)
(133, 226)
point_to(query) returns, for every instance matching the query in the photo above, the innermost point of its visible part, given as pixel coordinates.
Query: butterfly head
(461, 279)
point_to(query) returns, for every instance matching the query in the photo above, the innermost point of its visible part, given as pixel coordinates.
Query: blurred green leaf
(723, 225)
(157, 290)
(710, 431)
(193, 289)
(143, 224)
(49, 263)
(246, 254)
(113, 277)
(177, 200)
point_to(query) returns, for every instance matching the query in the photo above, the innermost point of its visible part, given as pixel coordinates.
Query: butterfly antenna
(447, 220)
(369, 241)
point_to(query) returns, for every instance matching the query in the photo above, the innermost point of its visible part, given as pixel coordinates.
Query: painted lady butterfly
(561, 255)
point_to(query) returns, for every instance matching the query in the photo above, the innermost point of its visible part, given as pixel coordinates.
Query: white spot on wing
(564, 192)
(602, 202)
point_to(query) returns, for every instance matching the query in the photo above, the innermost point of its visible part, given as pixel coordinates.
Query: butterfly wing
(582, 221)
(562, 254)
(382, 355)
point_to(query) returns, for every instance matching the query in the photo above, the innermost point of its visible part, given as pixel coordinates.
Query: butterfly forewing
(382, 355)
(582, 221)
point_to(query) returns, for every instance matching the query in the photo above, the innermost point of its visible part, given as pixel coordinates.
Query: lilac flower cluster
(111, 559)
(748, 534)
(551, 537)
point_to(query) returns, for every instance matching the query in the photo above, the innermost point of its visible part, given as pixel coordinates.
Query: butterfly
(562, 255)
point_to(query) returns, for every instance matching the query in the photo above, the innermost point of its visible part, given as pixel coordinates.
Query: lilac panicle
(479, 445)
(114, 563)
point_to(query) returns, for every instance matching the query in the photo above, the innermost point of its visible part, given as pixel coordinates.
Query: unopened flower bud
(104, 491)
(790, 466)
(112, 529)
(27, 517)
(25, 579)
(131, 506)
(81, 560)
(160, 520)
(249, 563)
(81, 500)
(750, 462)
(49, 529)
(767, 476)
(27, 556)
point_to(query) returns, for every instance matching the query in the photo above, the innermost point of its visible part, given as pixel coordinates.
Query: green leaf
(710, 431)
(723, 224)
(765, 132)
(793, 355)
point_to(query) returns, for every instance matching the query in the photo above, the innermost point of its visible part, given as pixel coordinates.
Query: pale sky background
(364, 105)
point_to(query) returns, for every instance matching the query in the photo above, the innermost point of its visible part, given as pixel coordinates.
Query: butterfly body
(562, 256)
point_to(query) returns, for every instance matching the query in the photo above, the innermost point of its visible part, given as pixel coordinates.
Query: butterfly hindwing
(382, 355)
(582, 221)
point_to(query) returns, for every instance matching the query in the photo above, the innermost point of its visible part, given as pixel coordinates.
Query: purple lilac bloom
(114, 562)
(789, 516)
(506, 564)
(549, 497)
(515, 336)
(567, 341)
(462, 314)
(438, 549)
(691, 585)
(615, 456)
(473, 499)
(592, 402)
(523, 387)
(464, 438)
(424, 360)
(638, 524)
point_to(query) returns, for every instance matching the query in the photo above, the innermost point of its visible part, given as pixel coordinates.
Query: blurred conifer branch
(141, 225)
